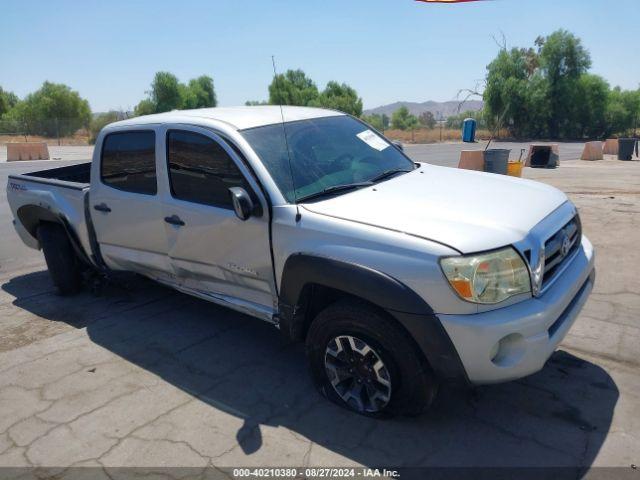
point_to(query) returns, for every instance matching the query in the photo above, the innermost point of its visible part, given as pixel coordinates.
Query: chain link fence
(55, 131)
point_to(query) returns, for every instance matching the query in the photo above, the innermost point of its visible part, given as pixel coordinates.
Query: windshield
(325, 152)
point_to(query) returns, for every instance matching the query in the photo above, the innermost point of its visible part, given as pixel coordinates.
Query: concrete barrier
(472, 160)
(610, 146)
(592, 151)
(20, 151)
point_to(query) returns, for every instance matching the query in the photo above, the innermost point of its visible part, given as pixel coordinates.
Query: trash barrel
(469, 130)
(496, 160)
(625, 148)
(543, 156)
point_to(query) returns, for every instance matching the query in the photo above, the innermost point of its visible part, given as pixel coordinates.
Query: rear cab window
(128, 162)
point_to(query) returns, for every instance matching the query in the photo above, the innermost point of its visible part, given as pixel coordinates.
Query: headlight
(487, 277)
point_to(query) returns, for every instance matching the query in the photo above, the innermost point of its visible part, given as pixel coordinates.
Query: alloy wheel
(357, 374)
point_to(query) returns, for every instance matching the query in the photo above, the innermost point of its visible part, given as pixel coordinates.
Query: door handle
(102, 207)
(174, 220)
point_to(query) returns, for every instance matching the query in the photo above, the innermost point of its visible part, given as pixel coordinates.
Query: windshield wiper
(334, 189)
(389, 173)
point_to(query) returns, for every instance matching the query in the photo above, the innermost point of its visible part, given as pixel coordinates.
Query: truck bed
(55, 194)
(74, 174)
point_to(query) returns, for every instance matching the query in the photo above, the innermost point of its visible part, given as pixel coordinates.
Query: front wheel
(364, 361)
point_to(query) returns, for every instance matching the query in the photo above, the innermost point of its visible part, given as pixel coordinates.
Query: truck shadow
(243, 367)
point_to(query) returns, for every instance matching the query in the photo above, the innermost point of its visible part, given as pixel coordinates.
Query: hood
(467, 210)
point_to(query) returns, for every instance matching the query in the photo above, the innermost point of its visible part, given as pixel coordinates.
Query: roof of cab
(239, 118)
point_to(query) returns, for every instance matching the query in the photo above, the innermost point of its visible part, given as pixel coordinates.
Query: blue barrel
(469, 130)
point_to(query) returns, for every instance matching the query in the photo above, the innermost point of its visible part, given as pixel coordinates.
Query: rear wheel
(362, 360)
(62, 262)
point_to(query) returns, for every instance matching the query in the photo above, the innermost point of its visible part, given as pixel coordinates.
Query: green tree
(145, 107)
(591, 111)
(292, 88)
(375, 120)
(455, 121)
(427, 120)
(53, 111)
(8, 100)
(546, 92)
(98, 122)
(198, 93)
(563, 60)
(253, 103)
(403, 120)
(165, 92)
(536, 123)
(549, 92)
(623, 111)
(505, 95)
(339, 96)
(386, 121)
(631, 101)
(378, 121)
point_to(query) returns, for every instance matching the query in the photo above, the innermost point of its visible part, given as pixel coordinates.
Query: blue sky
(387, 49)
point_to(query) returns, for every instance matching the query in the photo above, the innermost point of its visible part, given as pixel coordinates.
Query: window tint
(129, 162)
(200, 170)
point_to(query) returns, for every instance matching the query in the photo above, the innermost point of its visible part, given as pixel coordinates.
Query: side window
(200, 170)
(129, 162)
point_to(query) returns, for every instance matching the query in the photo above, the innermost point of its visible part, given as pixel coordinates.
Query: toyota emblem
(566, 245)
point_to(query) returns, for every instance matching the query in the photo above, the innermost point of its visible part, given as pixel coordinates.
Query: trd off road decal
(17, 186)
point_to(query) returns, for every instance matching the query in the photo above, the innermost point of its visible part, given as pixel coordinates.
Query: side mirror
(398, 145)
(242, 203)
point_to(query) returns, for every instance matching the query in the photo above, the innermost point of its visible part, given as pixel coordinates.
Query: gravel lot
(144, 376)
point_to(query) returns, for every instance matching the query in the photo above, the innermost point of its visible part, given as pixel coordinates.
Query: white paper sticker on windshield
(373, 140)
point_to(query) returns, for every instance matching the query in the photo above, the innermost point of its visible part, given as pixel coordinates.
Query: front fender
(414, 315)
(369, 284)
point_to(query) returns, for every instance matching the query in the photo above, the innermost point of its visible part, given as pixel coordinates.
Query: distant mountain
(439, 109)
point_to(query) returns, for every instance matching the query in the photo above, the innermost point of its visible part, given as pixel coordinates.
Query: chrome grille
(560, 247)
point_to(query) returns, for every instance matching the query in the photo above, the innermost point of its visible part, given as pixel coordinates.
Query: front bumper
(517, 340)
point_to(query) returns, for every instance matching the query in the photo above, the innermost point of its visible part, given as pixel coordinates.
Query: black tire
(62, 262)
(413, 384)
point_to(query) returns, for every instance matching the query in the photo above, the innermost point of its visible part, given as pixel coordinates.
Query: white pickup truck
(397, 275)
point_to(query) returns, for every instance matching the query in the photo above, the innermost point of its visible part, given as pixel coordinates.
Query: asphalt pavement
(139, 375)
(448, 154)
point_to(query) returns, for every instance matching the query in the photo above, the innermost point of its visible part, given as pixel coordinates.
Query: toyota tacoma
(397, 275)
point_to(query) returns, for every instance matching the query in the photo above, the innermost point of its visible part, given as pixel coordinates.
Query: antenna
(286, 144)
